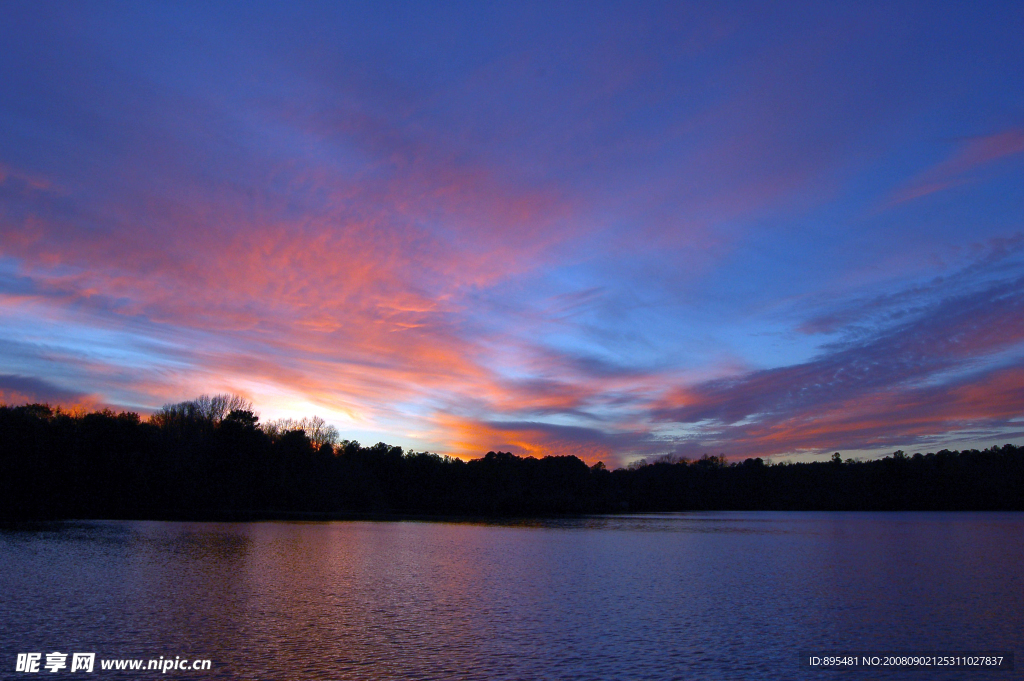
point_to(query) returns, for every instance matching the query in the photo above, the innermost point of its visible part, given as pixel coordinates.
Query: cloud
(925, 361)
(479, 242)
(472, 437)
(955, 331)
(16, 390)
(983, 407)
(957, 169)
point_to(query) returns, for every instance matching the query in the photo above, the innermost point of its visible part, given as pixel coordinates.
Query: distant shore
(189, 465)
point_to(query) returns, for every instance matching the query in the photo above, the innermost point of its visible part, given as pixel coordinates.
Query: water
(687, 596)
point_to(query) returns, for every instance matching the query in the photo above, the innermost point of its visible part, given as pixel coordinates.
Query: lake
(671, 596)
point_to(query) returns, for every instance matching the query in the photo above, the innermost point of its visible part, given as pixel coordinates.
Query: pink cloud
(28, 181)
(955, 170)
(17, 390)
(892, 418)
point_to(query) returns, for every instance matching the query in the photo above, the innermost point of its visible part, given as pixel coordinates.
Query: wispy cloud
(924, 360)
(16, 390)
(957, 169)
(552, 232)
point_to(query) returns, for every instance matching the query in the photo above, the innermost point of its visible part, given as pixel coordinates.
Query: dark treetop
(205, 459)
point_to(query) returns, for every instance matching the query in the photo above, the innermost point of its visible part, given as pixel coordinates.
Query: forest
(211, 459)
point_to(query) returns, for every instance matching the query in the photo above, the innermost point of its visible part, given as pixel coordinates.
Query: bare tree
(319, 432)
(316, 429)
(203, 408)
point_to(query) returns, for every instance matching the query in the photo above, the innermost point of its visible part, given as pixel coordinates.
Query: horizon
(318, 432)
(615, 231)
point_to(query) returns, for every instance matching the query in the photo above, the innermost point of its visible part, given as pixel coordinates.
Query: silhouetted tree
(210, 457)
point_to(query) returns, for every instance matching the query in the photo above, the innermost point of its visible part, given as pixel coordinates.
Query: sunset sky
(614, 230)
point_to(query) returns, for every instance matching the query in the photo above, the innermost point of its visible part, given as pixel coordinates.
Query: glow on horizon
(613, 231)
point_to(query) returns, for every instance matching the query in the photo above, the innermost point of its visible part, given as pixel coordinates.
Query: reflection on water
(714, 595)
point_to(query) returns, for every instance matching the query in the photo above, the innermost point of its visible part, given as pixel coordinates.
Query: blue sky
(613, 230)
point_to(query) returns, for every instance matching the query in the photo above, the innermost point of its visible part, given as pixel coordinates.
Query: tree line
(211, 458)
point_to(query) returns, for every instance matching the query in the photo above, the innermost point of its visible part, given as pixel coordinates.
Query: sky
(612, 230)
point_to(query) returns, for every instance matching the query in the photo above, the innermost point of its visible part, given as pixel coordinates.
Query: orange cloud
(470, 438)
